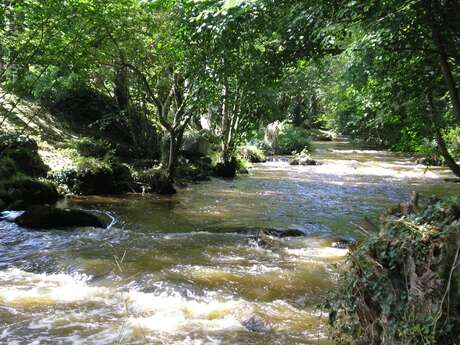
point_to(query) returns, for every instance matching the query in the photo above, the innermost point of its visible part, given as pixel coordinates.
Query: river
(187, 269)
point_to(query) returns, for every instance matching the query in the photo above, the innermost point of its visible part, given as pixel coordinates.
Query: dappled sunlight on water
(187, 269)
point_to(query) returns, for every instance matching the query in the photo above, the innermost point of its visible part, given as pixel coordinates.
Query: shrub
(90, 147)
(23, 151)
(11, 141)
(292, 140)
(453, 141)
(7, 168)
(252, 154)
(402, 285)
(156, 180)
(94, 176)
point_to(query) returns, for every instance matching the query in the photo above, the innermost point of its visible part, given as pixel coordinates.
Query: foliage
(401, 286)
(144, 69)
(7, 168)
(252, 154)
(292, 140)
(23, 151)
(91, 147)
(95, 176)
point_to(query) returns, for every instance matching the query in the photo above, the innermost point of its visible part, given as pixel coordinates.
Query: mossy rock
(7, 168)
(157, 181)
(195, 169)
(94, 178)
(253, 154)
(14, 141)
(226, 169)
(47, 217)
(22, 191)
(23, 151)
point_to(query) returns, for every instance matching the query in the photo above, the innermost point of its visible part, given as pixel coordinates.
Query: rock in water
(283, 233)
(256, 325)
(303, 160)
(46, 217)
(344, 243)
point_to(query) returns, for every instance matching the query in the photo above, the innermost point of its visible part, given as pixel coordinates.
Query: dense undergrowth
(401, 285)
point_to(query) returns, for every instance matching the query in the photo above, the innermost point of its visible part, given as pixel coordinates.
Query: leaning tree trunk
(446, 69)
(441, 144)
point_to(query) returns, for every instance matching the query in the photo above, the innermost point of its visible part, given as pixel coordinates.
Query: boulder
(344, 243)
(23, 151)
(195, 146)
(283, 233)
(303, 160)
(272, 133)
(46, 217)
(156, 181)
(253, 154)
(95, 178)
(256, 325)
(21, 192)
(226, 169)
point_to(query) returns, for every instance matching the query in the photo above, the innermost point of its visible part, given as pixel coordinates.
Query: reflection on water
(187, 269)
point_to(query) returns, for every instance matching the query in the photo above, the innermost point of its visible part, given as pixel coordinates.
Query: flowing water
(187, 269)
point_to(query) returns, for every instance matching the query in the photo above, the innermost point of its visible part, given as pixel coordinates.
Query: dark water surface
(187, 270)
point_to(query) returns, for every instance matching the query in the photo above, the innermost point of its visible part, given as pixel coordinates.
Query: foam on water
(18, 287)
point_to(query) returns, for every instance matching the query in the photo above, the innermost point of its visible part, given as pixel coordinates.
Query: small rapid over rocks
(188, 269)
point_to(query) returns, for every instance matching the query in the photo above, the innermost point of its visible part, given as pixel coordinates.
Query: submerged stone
(46, 217)
(283, 233)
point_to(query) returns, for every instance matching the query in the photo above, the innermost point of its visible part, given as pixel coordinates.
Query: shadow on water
(187, 269)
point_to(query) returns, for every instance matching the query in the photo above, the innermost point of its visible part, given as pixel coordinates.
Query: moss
(91, 147)
(156, 180)
(22, 191)
(23, 151)
(401, 285)
(14, 141)
(7, 168)
(227, 169)
(95, 176)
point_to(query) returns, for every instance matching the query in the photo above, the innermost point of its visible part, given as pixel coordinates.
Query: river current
(187, 269)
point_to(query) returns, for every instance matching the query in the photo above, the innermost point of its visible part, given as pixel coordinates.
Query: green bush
(95, 176)
(11, 141)
(90, 147)
(292, 140)
(402, 284)
(7, 168)
(252, 154)
(453, 141)
(23, 151)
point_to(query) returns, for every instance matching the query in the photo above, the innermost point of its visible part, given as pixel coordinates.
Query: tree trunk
(225, 125)
(121, 88)
(450, 161)
(175, 143)
(172, 156)
(446, 70)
